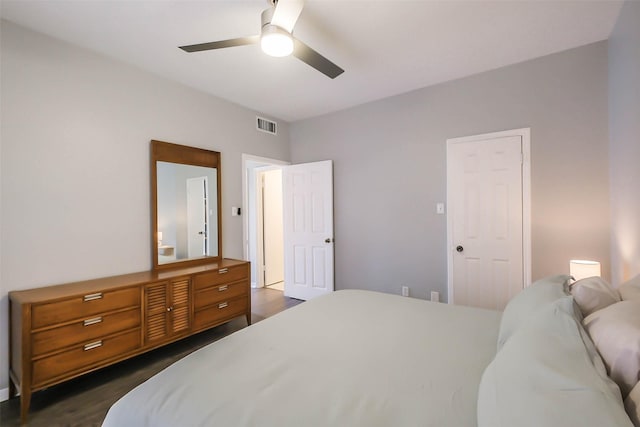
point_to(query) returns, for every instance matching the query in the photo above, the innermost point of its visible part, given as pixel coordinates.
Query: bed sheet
(351, 358)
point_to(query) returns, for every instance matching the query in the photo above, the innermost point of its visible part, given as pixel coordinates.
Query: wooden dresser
(64, 331)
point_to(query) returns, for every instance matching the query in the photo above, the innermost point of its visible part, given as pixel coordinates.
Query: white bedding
(351, 358)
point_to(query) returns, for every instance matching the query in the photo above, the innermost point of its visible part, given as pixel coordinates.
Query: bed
(362, 358)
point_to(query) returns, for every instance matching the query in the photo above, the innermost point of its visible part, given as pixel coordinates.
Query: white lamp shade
(275, 41)
(580, 268)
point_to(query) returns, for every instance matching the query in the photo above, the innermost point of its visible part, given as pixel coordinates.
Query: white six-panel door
(308, 229)
(486, 228)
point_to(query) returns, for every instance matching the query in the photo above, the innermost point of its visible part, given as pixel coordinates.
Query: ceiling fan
(276, 39)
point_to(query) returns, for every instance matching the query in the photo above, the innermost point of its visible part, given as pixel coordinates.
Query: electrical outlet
(405, 291)
(435, 296)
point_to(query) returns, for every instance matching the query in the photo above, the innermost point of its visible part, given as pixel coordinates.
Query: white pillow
(630, 290)
(544, 376)
(593, 294)
(615, 331)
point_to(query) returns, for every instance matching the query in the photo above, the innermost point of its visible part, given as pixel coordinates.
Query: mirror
(185, 193)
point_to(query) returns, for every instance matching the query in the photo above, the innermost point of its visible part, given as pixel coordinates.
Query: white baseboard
(4, 394)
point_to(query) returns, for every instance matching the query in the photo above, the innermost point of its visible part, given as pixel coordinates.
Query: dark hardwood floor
(86, 400)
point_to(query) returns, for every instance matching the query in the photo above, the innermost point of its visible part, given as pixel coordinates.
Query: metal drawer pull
(92, 345)
(223, 288)
(92, 321)
(91, 297)
(223, 271)
(222, 305)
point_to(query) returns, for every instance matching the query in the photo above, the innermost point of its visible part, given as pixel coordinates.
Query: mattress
(350, 358)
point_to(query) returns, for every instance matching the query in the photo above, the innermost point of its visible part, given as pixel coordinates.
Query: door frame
(249, 165)
(525, 134)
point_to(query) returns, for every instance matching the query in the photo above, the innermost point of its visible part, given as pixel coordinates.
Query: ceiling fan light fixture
(275, 41)
(277, 23)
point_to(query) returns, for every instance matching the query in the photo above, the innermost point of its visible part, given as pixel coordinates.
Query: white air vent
(265, 125)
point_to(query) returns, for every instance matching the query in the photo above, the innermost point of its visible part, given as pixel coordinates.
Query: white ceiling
(386, 47)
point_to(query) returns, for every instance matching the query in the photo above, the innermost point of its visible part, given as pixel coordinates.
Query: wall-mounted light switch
(440, 208)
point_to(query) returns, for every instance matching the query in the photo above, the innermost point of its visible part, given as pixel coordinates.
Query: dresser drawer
(84, 355)
(84, 330)
(220, 312)
(223, 275)
(219, 293)
(83, 306)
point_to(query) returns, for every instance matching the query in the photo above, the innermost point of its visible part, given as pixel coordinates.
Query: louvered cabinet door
(167, 309)
(156, 304)
(180, 303)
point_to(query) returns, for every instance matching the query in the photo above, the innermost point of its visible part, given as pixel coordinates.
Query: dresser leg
(12, 389)
(248, 302)
(25, 401)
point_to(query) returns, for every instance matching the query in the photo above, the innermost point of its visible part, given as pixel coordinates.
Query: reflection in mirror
(187, 212)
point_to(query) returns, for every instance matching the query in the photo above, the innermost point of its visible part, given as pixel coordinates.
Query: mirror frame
(182, 154)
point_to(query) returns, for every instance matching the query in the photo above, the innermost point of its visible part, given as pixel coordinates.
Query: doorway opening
(307, 225)
(263, 212)
(270, 226)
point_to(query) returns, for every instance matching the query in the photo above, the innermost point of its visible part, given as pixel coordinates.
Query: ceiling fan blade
(314, 59)
(241, 41)
(286, 14)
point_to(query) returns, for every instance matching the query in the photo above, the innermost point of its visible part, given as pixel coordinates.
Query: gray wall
(389, 168)
(74, 166)
(624, 134)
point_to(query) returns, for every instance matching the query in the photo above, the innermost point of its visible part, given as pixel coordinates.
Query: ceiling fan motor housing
(266, 16)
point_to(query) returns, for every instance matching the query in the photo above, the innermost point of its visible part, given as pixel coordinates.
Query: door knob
(459, 248)
(328, 240)
(200, 232)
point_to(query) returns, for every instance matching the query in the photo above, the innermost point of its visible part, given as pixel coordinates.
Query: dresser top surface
(65, 290)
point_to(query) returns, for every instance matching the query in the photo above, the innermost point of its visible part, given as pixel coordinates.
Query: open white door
(197, 217)
(308, 229)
